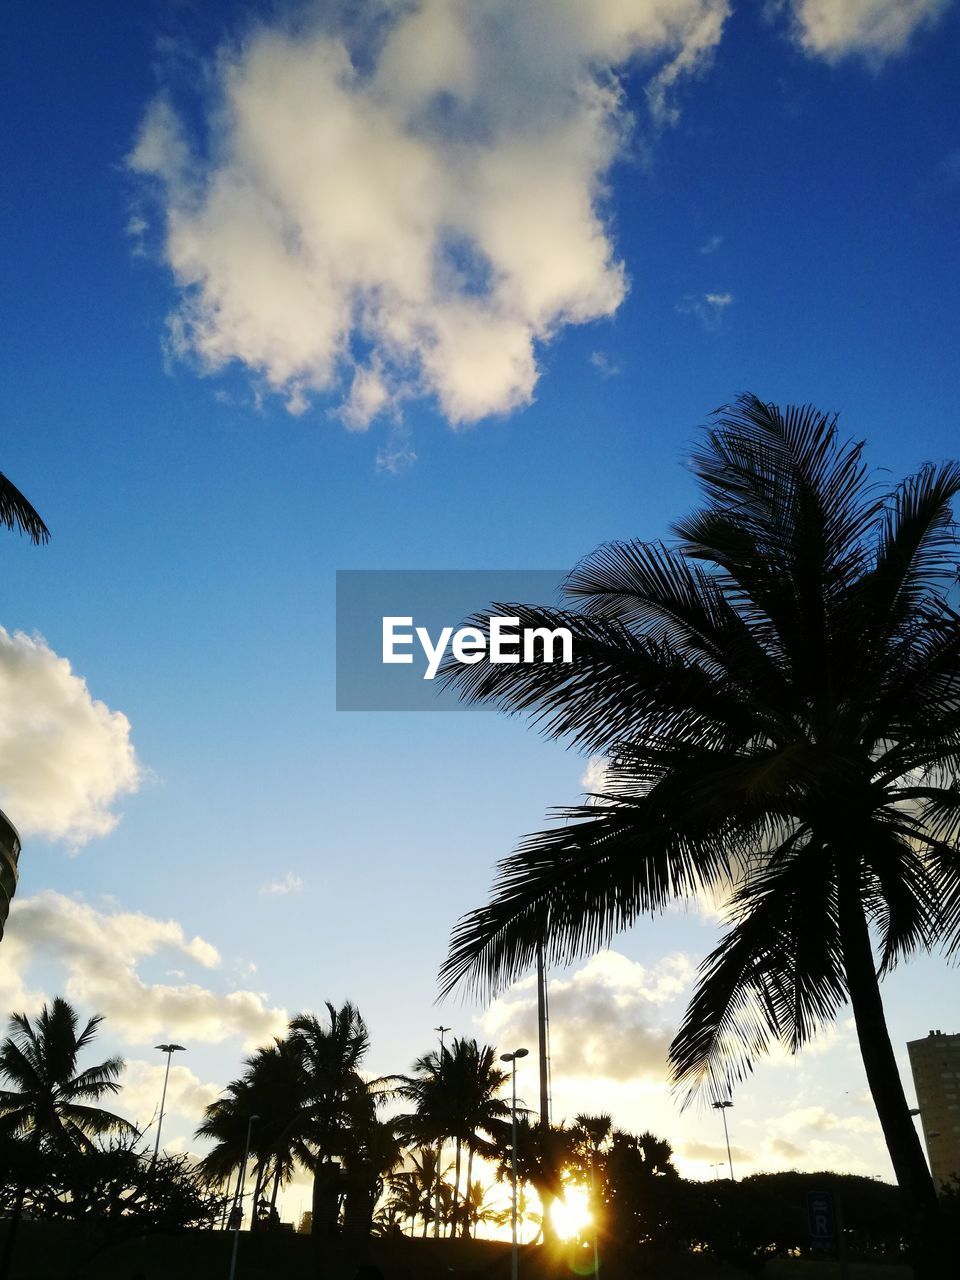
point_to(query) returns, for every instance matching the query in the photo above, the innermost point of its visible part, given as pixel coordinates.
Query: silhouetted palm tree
(49, 1102)
(778, 698)
(272, 1089)
(544, 1153)
(415, 1187)
(456, 1096)
(334, 1090)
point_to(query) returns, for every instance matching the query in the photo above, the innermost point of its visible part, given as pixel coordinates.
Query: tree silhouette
(456, 1096)
(49, 1102)
(776, 695)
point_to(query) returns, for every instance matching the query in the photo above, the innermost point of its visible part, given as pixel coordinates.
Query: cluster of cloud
(608, 1019)
(411, 214)
(65, 758)
(874, 29)
(407, 199)
(97, 954)
(187, 1094)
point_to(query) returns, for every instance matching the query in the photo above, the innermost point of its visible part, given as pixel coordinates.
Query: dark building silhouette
(9, 857)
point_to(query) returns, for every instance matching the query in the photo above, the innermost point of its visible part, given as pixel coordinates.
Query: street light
(169, 1050)
(436, 1217)
(722, 1108)
(512, 1058)
(243, 1175)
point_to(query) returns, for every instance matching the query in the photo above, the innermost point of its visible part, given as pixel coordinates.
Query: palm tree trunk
(465, 1232)
(257, 1189)
(456, 1191)
(899, 1132)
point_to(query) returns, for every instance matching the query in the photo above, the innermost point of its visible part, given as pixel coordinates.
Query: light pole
(512, 1059)
(436, 1216)
(722, 1108)
(243, 1175)
(169, 1050)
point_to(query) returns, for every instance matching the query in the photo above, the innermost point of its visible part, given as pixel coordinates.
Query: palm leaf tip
(17, 512)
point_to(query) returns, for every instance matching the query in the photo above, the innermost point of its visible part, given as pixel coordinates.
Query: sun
(571, 1214)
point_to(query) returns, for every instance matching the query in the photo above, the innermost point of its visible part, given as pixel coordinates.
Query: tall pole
(722, 1108)
(542, 1040)
(436, 1214)
(596, 1219)
(242, 1178)
(169, 1050)
(515, 1253)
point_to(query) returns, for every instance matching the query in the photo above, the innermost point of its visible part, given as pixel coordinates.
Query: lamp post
(722, 1108)
(169, 1050)
(242, 1179)
(512, 1059)
(436, 1216)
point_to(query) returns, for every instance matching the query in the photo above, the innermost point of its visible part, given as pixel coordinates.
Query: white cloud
(412, 217)
(711, 244)
(874, 29)
(709, 308)
(607, 1019)
(98, 954)
(65, 758)
(594, 777)
(290, 883)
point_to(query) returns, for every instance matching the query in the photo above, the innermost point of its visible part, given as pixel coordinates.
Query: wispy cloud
(290, 883)
(871, 29)
(709, 308)
(411, 217)
(711, 244)
(605, 365)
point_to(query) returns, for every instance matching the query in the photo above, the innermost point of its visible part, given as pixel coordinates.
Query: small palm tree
(50, 1104)
(49, 1100)
(777, 697)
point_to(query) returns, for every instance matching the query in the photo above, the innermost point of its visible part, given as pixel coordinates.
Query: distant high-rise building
(935, 1063)
(9, 856)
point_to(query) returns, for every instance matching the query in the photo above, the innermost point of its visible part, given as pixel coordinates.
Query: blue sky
(774, 193)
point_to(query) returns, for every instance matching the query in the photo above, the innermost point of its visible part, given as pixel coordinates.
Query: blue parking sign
(822, 1219)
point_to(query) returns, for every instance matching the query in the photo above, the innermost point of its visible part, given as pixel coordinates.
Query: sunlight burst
(571, 1214)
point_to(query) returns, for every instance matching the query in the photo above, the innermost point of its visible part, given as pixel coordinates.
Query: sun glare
(571, 1214)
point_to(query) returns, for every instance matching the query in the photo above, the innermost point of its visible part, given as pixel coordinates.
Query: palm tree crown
(777, 695)
(49, 1100)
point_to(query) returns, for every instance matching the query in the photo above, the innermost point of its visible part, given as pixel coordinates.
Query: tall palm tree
(50, 1104)
(456, 1096)
(331, 1054)
(544, 1154)
(778, 698)
(272, 1088)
